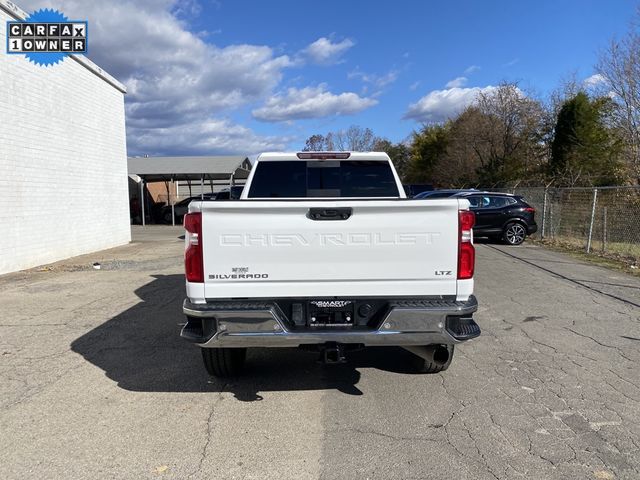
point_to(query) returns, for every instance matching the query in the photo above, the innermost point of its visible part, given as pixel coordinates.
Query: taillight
(530, 210)
(466, 252)
(193, 261)
(467, 220)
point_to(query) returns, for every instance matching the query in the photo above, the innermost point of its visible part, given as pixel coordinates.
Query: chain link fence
(603, 220)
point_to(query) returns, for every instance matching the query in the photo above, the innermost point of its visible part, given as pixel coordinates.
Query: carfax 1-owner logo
(46, 37)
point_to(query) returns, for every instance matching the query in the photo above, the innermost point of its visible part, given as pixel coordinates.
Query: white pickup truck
(324, 251)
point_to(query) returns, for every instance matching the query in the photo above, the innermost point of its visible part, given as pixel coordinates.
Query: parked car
(413, 189)
(182, 206)
(319, 253)
(443, 193)
(232, 193)
(180, 209)
(501, 216)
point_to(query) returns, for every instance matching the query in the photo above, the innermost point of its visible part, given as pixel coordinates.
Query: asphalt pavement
(96, 383)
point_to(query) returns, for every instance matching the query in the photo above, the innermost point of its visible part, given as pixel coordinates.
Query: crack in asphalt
(37, 389)
(483, 459)
(600, 343)
(388, 435)
(596, 443)
(205, 447)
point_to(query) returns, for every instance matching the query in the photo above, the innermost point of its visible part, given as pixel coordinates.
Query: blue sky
(245, 76)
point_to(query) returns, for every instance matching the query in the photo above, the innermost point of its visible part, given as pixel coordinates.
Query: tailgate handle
(330, 213)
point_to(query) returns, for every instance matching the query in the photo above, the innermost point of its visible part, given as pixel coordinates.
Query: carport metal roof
(165, 169)
(175, 169)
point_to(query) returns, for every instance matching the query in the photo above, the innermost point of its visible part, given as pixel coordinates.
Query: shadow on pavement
(141, 350)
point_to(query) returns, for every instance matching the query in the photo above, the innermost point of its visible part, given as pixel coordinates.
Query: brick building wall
(63, 162)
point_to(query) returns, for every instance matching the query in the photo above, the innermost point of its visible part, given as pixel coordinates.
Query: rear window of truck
(329, 178)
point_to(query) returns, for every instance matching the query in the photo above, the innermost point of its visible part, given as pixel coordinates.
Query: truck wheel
(440, 362)
(224, 362)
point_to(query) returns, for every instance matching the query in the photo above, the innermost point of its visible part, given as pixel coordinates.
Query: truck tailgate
(271, 249)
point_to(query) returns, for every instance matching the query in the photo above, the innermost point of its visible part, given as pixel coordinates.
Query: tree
(428, 151)
(585, 149)
(498, 140)
(355, 139)
(509, 127)
(619, 66)
(467, 144)
(315, 143)
(568, 88)
(399, 153)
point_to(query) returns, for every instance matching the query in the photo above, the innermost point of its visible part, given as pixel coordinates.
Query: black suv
(501, 216)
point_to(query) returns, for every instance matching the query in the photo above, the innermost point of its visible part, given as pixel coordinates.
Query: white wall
(63, 162)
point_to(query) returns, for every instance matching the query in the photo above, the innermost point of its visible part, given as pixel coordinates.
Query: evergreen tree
(428, 150)
(585, 150)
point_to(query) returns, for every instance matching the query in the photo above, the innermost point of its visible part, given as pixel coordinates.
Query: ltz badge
(46, 37)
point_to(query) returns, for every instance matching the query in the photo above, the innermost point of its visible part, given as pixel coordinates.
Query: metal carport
(218, 169)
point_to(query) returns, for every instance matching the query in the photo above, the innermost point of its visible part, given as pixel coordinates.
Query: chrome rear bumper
(262, 324)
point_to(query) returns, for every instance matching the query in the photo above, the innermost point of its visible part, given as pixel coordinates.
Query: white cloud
(311, 102)
(594, 81)
(325, 52)
(439, 105)
(471, 69)
(204, 137)
(175, 80)
(186, 8)
(457, 82)
(378, 81)
(414, 85)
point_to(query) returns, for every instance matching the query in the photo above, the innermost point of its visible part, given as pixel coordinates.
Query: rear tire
(224, 362)
(421, 365)
(514, 233)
